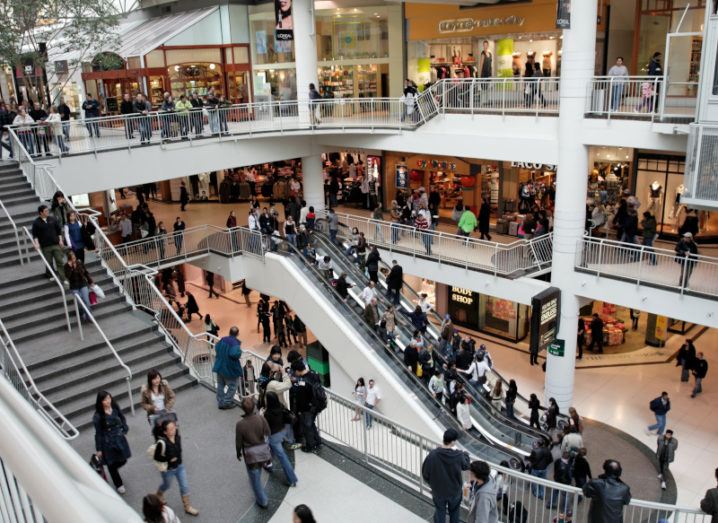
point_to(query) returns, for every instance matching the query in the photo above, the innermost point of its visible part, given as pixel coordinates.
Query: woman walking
(192, 307)
(360, 397)
(169, 450)
(80, 281)
(156, 396)
(74, 236)
(156, 511)
(278, 417)
(110, 442)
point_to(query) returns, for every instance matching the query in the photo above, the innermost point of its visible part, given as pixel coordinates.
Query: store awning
(152, 33)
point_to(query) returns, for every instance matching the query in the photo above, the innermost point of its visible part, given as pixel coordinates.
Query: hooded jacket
(442, 471)
(482, 504)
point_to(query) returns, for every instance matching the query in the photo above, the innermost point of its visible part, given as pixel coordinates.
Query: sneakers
(121, 489)
(663, 485)
(294, 446)
(649, 432)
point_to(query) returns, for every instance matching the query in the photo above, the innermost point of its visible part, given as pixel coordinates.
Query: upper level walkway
(498, 118)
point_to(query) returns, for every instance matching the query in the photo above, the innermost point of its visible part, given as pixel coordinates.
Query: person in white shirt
(424, 303)
(477, 371)
(56, 124)
(368, 293)
(373, 397)
(619, 76)
(25, 131)
(463, 413)
(325, 265)
(303, 213)
(252, 221)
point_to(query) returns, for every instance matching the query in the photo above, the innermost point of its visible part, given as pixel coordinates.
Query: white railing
(15, 230)
(520, 96)
(14, 369)
(701, 176)
(640, 97)
(43, 479)
(50, 270)
(509, 260)
(651, 266)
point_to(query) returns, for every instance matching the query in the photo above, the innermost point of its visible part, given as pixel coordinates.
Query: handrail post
(600, 258)
(640, 266)
(79, 319)
(610, 97)
(471, 95)
(503, 98)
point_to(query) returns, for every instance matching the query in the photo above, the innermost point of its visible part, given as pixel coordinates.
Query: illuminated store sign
(466, 25)
(545, 313)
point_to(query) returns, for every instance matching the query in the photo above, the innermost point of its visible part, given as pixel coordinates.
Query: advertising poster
(284, 29)
(402, 177)
(563, 14)
(504, 57)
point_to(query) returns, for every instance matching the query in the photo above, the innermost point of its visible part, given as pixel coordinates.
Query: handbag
(161, 465)
(257, 453)
(98, 291)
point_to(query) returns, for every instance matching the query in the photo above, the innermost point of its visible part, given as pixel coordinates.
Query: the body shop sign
(545, 315)
(464, 307)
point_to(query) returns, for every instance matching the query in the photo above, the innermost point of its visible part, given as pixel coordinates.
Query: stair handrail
(53, 276)
(30, 390)
(17, 234)
(81, 306)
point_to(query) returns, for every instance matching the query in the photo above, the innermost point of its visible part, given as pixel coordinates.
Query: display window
(352, 34)
(157, 86)
(238, 87)
(198, 77)
(501, 318)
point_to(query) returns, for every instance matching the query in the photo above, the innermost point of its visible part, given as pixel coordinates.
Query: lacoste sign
(465, 25)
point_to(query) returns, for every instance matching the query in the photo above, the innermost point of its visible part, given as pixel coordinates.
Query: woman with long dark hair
(360, 397)
(278, 417)
(552, 413)
(156, 396)
(169, 450)
(110, 442)
(156, 511)
(303, 514)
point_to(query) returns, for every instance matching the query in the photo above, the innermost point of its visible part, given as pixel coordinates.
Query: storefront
(483, 313)
(356, 50)
(351, 168)
(488, 41)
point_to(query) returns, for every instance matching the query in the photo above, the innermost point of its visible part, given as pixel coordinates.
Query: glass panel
(352, 34)
(265, 48)
(199, 78)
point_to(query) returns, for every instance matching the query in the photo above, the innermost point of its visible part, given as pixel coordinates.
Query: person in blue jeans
(442, 470)
(278, 418)
(540, 459)
(660, 407)
(251, 434)
(168, 449)
(228, 368)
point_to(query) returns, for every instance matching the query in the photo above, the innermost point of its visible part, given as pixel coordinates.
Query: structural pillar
(313, 181)
(577, 68)
(305, 46)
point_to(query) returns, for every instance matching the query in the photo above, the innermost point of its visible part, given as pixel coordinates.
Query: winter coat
(668, 446)
(482, 503)
(110, 437)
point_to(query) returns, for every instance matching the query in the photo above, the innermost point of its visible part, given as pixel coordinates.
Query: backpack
(518, 514)
(319, 395)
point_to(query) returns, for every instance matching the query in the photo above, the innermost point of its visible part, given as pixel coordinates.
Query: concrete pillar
(313, 181)
(577, 68)
(305, 46)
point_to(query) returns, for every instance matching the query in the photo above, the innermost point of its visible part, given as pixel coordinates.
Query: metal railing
(504, 96)
(14, 369)
(15, 230)
(662, 268)
(51, 271)
(82, 309)
(510, 260)
(641, 97)
(40, 472)
(701, 176)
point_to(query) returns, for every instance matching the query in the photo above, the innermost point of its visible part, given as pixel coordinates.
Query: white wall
(205, 32)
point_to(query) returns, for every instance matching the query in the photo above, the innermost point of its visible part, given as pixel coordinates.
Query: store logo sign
(464, 296)
(465, 25)
(534, 166)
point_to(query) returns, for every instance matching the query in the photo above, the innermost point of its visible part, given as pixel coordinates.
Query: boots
(160, 494)
(189, 509)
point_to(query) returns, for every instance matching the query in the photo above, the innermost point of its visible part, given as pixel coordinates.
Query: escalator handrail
(417, 383)
(481, 402)
(515, 424)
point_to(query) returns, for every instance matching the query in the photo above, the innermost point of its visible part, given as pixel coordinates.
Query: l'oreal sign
(534, 166)
(466, 25)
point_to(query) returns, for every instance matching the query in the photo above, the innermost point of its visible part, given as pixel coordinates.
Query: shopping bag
(99, 293)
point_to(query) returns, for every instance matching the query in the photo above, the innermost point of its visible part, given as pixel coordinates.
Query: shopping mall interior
(489, 221)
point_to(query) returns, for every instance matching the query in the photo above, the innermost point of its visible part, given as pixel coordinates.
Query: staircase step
(83, 401)
(76, 377)
(8, 193)
(29, 279)
(32, 308)
(13, 185)
(48, 294)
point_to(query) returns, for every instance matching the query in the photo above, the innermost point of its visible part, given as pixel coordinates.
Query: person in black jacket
(127, 108)
(302, 401)
(562, 475)
(485, 219)
(92, 112)
(169, 450)
(596, 334)
(342, 286)
(279, 418)
(686, 253)
(539, 461)
(394, 282)
(700, 369)
(372, 264)
(608, 494)
(110, 442)
(65, 112)
(535, 406)
(686, 357)
(442, 470)
(581, 468)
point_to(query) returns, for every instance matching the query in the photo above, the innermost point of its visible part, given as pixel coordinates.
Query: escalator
(350, 309)
(492, 423)
(409, 298)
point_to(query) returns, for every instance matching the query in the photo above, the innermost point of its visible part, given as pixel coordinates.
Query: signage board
(284, 23)
(557, 348)
(467, 25)
(402, 177)
(563, 14)
(545, 315)
(464, 307)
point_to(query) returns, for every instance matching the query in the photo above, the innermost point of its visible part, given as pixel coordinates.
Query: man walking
(47, 236)
(373, 397)
(700, 369)
(333, 220)
(442, 470)
(608, 494)
(596, 334)
(660, 407)
(228, 368)
(92, 113)
(709, 503)
(539, 459)
(666, 453)
(686, 254)
(251, 433)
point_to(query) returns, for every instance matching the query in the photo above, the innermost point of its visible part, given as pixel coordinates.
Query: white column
(313, 181)
(305, 46)
(577, 68)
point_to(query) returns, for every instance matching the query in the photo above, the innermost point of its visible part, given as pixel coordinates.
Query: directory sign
(545, 315)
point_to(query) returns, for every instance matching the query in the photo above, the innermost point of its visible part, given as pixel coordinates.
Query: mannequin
(677, 208)
(655, 191)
